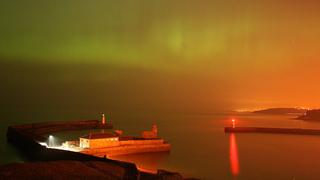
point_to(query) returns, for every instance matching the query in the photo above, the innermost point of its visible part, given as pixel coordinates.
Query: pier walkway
(296, 131)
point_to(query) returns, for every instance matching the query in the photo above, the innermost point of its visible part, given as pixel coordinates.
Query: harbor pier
(296, 131)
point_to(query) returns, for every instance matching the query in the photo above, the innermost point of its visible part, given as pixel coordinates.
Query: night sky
(173, 55)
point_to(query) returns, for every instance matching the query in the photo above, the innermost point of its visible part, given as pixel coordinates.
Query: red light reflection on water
(234, 160)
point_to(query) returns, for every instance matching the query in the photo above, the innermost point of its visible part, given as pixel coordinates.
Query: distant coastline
(281, 111)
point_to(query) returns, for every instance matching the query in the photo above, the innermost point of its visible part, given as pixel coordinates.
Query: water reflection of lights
(234, 159)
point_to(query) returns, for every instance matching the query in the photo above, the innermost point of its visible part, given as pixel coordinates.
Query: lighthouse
(103, 119)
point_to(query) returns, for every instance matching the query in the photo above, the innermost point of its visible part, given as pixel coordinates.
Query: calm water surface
(200, 148)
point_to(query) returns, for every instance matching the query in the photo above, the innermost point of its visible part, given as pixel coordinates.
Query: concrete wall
(68, 144)
(150, 134)
(105, 142)
(141, 142)
(131, 149)
(84, 143)
(108, 142)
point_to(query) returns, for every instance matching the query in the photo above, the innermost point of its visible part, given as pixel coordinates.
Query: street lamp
(51, 141)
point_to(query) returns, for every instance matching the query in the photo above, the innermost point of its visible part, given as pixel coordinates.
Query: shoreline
(25, 138)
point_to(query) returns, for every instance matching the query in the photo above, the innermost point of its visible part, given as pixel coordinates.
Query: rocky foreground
(75, 170)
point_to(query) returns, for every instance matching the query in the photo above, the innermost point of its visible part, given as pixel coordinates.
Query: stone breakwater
(38, 130)
(130, 147)
(272, 130)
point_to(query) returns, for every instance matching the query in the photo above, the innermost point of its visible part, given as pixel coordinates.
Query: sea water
(201, 149)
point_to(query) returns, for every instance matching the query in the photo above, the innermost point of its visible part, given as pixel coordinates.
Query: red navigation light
(233, 123)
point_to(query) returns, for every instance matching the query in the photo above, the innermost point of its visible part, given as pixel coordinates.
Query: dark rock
(166, 175)
(77, 170)
(51, 170)
(110, 169)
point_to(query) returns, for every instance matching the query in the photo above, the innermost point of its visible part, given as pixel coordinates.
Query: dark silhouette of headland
(311, 115)
(281, 111)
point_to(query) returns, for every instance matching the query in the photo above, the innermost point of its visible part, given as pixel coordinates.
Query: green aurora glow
(242, 43)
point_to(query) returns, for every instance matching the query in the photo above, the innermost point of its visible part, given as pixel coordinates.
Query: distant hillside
(281, 111)
(313, 115)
